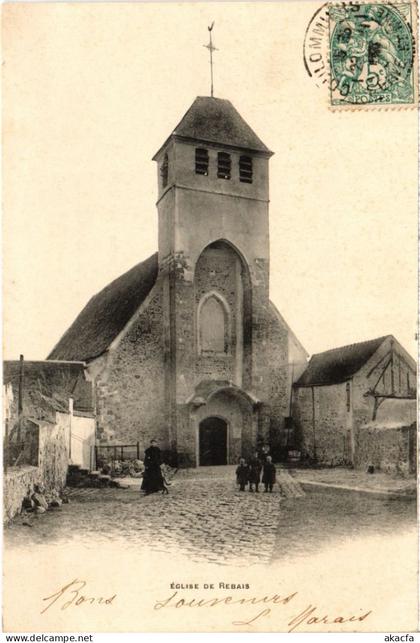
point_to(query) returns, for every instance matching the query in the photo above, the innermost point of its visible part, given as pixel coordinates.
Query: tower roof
(215, 120)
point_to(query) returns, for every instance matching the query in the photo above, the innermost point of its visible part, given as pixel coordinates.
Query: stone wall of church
(130, 392)
(133, 381)
(218, 270)
(257, 359)
(276, 378)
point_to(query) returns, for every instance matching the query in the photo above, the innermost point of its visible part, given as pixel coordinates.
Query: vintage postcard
(210, 317)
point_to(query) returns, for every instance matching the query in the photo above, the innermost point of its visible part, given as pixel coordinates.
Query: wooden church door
(213, 442)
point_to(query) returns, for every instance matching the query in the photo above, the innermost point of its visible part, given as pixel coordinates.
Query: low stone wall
(15, 486)
(391, 450)
(49, 464)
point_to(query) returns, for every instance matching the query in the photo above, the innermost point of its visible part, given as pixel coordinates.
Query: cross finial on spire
(211, 48)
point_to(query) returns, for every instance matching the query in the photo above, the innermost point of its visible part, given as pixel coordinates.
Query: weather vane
(211, 48)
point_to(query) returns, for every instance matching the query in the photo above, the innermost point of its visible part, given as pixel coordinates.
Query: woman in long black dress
(152, 477)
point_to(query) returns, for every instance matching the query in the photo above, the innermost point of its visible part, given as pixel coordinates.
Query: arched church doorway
(212, 435)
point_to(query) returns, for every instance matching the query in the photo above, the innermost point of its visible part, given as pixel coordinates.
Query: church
(186, 347)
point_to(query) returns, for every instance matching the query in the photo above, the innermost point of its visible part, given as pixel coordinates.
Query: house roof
(215, 120)
(107, 313)
(339, 364)
(47, 386)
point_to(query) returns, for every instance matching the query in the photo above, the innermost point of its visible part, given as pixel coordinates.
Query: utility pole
(392, 368)
(6, 442)
(20, 397)
(71, 403)
(313, 421)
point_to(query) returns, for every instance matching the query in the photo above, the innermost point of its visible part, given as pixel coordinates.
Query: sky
(91, 91)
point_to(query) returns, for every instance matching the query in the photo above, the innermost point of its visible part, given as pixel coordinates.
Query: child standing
(255, 467)
(269, 474)
(242, 473)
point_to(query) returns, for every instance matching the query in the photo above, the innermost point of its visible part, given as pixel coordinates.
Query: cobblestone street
(206, 518)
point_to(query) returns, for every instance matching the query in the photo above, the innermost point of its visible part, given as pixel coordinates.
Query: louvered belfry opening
(223, 165)
(245, 169)
(201, 161)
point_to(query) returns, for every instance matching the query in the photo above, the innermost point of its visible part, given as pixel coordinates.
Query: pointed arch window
(213, 324)
(224, 165)
(164, 170)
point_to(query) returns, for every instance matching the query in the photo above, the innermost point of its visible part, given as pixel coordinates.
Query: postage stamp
(372, 54)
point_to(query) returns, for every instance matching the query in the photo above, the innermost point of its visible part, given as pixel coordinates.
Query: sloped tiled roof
(216, 120)
(47, 386)
(339, 364)
(107, 313)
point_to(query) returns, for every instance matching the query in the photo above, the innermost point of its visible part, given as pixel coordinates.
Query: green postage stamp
(372, 54)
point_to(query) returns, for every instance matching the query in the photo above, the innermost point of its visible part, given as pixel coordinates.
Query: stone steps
(78, 476)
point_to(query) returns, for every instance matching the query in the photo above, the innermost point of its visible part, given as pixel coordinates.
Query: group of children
(250, 473)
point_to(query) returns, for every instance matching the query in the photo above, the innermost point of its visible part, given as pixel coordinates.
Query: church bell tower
(214, 264)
